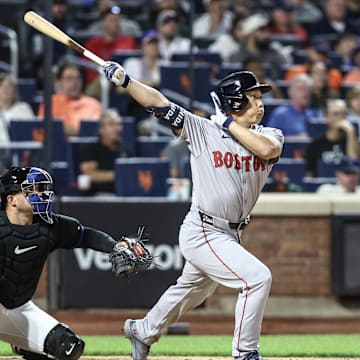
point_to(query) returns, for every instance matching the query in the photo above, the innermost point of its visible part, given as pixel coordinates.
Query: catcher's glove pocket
(130, 254)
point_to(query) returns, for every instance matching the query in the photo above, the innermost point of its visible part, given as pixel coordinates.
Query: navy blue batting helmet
(231, 90)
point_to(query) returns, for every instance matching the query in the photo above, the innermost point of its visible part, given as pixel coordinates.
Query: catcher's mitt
(130, 254)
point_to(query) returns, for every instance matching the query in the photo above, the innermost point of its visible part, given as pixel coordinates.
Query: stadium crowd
(309, 51)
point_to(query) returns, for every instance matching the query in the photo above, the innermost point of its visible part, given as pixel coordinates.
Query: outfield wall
(291, 233)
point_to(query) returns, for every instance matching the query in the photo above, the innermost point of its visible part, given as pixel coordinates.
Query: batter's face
(253, 112)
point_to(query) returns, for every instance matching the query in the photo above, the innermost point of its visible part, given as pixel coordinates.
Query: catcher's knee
(63, 343)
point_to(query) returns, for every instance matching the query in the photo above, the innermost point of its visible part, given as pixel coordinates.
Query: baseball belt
(222, 223)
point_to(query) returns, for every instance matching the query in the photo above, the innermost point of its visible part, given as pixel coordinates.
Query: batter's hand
(116, 73)
(219, 118)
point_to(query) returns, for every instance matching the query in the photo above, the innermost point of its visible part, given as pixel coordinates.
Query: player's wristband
(227, 122)
(126, 81)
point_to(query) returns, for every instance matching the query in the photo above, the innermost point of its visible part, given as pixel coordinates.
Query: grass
(209, 345)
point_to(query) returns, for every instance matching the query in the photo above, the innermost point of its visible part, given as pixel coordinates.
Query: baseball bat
(47, 28)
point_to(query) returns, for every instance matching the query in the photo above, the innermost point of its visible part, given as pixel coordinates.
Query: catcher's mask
(36, 185)
(231, 90)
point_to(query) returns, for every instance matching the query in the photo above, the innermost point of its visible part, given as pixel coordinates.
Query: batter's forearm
(145, 95)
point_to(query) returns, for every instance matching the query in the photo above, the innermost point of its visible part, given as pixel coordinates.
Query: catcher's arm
(130, 254)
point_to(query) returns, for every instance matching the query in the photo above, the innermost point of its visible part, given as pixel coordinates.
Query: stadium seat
(89, 128)
(119, 101)
(293, 169)
(294, 148)
(72, 148)
(176, 77)
(33, 130)
(311, 184)
(199, 56)
(27, 89)
(325, 169)
(316, 127)
(21, 153)
(121, 55)
(141, 177)
(151, 147)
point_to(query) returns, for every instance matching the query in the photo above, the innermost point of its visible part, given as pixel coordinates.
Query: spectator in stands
(338, 141)
(170, 41)
(232, 40)
(255, 65)
(304, 11)
(352, 77)
(182, 9)
(257, 42)
(243, 8)
(292, 117)
(216, 20)
(11, 107)
(34, 57)
(283, 23)
(127, 26)
(318, 71)
(315, 55)
(347, 176)
(353, 103)
(146, 68)
(353, 13)
(110, 39)
(96, 160)
(344, 48)
(333, 23)
(69, 104)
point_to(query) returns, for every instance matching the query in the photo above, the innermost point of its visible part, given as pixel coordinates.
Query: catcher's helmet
(35, 183)
(231, 90)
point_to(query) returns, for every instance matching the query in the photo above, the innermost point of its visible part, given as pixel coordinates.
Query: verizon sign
(83, 278)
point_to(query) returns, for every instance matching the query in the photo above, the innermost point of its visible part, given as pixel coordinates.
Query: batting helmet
(231, 90)
(35, 183)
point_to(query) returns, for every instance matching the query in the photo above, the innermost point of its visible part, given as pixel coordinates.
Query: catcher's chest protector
(23, 252)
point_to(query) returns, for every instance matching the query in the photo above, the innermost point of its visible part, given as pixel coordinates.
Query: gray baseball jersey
(227, 180)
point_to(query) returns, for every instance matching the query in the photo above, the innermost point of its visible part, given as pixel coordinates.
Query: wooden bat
(47, 28)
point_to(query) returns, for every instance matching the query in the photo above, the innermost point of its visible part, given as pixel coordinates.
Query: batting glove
(116, 73)
(219, 118)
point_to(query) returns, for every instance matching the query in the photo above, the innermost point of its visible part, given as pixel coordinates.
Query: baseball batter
(29, 232)
(231, 157)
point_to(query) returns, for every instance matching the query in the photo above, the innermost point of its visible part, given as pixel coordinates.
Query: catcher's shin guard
(63, 343)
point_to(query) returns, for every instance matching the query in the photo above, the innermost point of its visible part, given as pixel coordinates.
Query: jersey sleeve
(68, 231)
(194, 132)
(272, 133)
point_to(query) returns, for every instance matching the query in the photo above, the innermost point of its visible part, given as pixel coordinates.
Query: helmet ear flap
(231, 96)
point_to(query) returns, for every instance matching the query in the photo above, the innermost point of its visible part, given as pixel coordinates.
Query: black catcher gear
(130, 254)
(63, 343)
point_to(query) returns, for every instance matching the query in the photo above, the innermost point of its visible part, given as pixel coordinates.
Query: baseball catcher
(29, 232)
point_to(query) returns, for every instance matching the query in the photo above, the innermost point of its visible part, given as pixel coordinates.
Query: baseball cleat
(139, 350)
(252, 355)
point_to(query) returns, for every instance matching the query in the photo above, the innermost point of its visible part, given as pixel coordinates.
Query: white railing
(13, 45)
